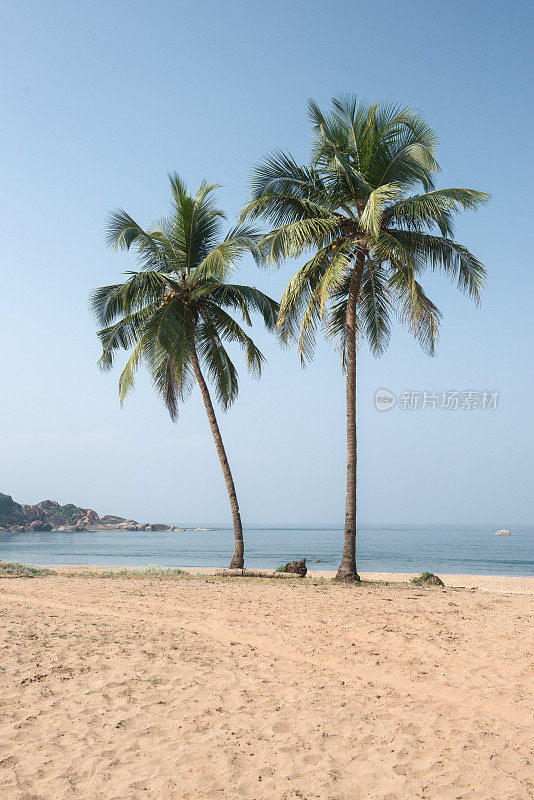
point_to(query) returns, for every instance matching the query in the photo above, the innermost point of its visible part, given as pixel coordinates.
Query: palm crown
(353, 207)
(174, 311)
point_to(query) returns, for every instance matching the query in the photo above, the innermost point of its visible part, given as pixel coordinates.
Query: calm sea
(467, 549)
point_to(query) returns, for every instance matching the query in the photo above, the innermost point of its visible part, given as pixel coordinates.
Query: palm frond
(295, 238)
(230, 331)
(123, 232)
(434, 208)
(414, 309)
(222, 260)
(217, 362)
(371, 216)
(447, 256)
(374, 306)
(247, 299)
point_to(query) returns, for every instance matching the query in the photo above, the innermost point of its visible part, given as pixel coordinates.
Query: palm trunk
(237, 561)
(347, 569)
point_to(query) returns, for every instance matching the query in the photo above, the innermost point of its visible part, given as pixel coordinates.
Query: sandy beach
(123, 689)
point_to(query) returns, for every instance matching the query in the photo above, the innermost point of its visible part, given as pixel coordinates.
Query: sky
(101, 100)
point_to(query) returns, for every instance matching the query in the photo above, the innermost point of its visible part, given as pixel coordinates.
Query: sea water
(453, 549)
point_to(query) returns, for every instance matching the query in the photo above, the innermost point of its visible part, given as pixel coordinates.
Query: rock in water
(504, 532)
(297, 567)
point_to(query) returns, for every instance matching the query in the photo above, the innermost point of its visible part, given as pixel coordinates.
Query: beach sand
(150, 689)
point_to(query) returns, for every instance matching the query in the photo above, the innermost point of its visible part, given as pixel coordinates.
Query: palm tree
(368, 240)
(173, 311)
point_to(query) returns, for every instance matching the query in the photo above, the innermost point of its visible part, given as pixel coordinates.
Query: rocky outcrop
(49, 515)
(504, 532)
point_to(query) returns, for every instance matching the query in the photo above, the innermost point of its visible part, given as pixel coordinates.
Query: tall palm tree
(368, 240)
(173, 311)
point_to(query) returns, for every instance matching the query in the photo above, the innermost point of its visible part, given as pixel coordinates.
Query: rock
(19, 528)
(297, 567)
(504, 532)
(80, 528)
(39, 525)
(110, 519)
(434, 581)
(52, 504)
(32, 513)
(90, 518)
(428, 579)
(149, 528)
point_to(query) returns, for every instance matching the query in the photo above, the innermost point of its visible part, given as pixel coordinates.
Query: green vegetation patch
(12, 569)
(153, 571)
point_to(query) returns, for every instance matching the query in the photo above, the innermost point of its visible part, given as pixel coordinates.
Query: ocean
(452, 549)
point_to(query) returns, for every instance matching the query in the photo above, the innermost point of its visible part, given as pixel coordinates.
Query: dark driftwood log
(254, 573)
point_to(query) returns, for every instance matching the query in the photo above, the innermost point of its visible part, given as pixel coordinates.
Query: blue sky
(101, 100)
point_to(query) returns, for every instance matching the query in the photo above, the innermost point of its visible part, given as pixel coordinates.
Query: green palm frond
(293, 239)
(335, 323)
(434, 208)
(222, 260)
(122, 335)
(166, 312)
(375, 306)
(279, 174)
(414, 309)
(141, 289)
(127, 377)
(217, 362)
(230, 331)
(447, 256)
(123, 232)
(297, 296)
(247, 299)
(353, 212)
(172, 377)
(371, 216)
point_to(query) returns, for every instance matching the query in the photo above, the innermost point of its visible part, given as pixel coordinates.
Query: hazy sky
(101, 99)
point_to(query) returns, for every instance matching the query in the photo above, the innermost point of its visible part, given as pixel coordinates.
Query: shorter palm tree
(173, 312)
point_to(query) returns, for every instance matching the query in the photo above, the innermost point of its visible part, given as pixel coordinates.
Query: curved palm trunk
(239, 547)
(347, 569)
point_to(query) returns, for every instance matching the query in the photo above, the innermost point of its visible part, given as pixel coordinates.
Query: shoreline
(517, 584)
